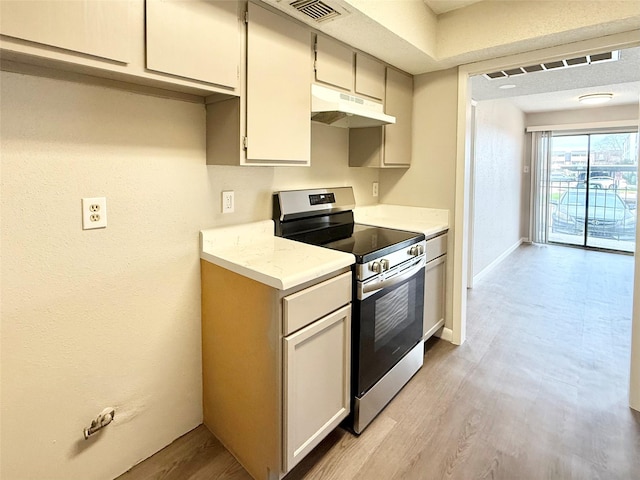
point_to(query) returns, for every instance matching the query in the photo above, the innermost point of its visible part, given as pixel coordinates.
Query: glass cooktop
(368, 243)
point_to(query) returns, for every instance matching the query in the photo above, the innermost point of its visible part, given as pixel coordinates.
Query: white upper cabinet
(338, 65)
(270, 123)
(399, 103)
(278, 89)
(388, 146)
(93, 28)
(369, 77)
(198, 39)
(334, 63)
(191, 46)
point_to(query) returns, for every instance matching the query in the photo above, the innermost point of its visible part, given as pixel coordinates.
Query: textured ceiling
(559, 89)
(443, 6)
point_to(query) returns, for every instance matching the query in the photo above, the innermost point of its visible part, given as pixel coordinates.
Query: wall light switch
(228, 202)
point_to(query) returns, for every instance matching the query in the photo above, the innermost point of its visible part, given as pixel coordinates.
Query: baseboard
(445, 334)
(497, 261)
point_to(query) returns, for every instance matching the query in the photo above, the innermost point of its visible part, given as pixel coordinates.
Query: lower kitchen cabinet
(275, 364)
(316, 386)
(434, 285)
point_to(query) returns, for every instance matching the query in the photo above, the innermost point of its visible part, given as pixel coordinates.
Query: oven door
(387, 323)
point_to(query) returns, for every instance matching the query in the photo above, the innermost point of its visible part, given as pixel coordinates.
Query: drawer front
(436, 246)
(302, 308)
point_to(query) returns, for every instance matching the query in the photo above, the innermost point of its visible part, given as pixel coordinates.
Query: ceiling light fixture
(595, 98)
(507, 86)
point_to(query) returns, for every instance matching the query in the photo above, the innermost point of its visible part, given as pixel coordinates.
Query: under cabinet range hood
(340, 109)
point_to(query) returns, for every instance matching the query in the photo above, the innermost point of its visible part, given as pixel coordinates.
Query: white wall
(98, 318)
(430, 182)
(254, 186)
(112, 317)
(634, 383)
(584, 115)
(498, 181)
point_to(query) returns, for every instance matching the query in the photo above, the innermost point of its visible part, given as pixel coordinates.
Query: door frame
(462, 180)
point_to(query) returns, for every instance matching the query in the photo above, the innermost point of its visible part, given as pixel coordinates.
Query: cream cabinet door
(399, 103)
(434, 295)
(334, 63)
(278, 89)
(94, 28)
(317, 369)
(196, 39)
(369, 77)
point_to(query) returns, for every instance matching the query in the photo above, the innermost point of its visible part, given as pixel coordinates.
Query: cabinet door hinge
(245, 143)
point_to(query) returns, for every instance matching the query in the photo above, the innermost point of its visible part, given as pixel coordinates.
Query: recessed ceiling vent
(315, 9)
(556, 65)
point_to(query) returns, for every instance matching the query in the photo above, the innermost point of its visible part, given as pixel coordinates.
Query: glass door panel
(593, 190)
(613, 191)
(569, 162)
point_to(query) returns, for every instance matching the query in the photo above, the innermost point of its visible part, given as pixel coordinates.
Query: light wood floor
(538, 391)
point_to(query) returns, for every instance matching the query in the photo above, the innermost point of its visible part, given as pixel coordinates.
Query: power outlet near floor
(228, 202)
(94, 213)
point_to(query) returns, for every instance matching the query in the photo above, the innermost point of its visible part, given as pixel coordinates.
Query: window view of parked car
(607, 182)
(608, 215)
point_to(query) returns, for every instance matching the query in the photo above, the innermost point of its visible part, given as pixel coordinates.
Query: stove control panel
(390, 260)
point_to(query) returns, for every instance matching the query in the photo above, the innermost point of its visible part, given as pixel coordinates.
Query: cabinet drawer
(302, 308)
(436, 246)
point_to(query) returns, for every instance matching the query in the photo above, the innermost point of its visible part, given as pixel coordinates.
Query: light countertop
(253, 251)
(430, 221)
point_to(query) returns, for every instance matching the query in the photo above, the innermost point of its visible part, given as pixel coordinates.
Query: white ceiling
(559, 89)
(443, 6)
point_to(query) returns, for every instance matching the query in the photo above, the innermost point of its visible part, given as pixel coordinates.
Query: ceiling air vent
(315, 9)
(557, 64)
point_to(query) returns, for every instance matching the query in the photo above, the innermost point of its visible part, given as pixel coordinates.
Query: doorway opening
(591, 190)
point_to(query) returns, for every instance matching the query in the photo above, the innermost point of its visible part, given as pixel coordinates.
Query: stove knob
(415, 250)
(376, 267)
(385, 264)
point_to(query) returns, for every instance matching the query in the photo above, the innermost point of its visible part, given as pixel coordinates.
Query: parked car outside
(606, 182)
(609, 216)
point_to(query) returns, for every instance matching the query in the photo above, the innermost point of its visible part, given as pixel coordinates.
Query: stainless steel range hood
(343, 110)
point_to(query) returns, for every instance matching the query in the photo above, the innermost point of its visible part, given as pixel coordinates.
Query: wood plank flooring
(538, 391)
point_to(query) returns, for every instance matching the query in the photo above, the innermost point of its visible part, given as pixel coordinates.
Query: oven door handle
(370, 289)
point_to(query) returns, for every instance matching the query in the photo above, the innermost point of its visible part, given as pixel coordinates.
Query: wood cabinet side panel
(241, 358)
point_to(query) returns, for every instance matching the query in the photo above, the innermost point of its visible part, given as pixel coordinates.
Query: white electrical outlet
(375, 189)
(228, 202)
(94, 213)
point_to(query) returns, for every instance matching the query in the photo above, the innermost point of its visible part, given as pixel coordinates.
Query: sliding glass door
(592, 190)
